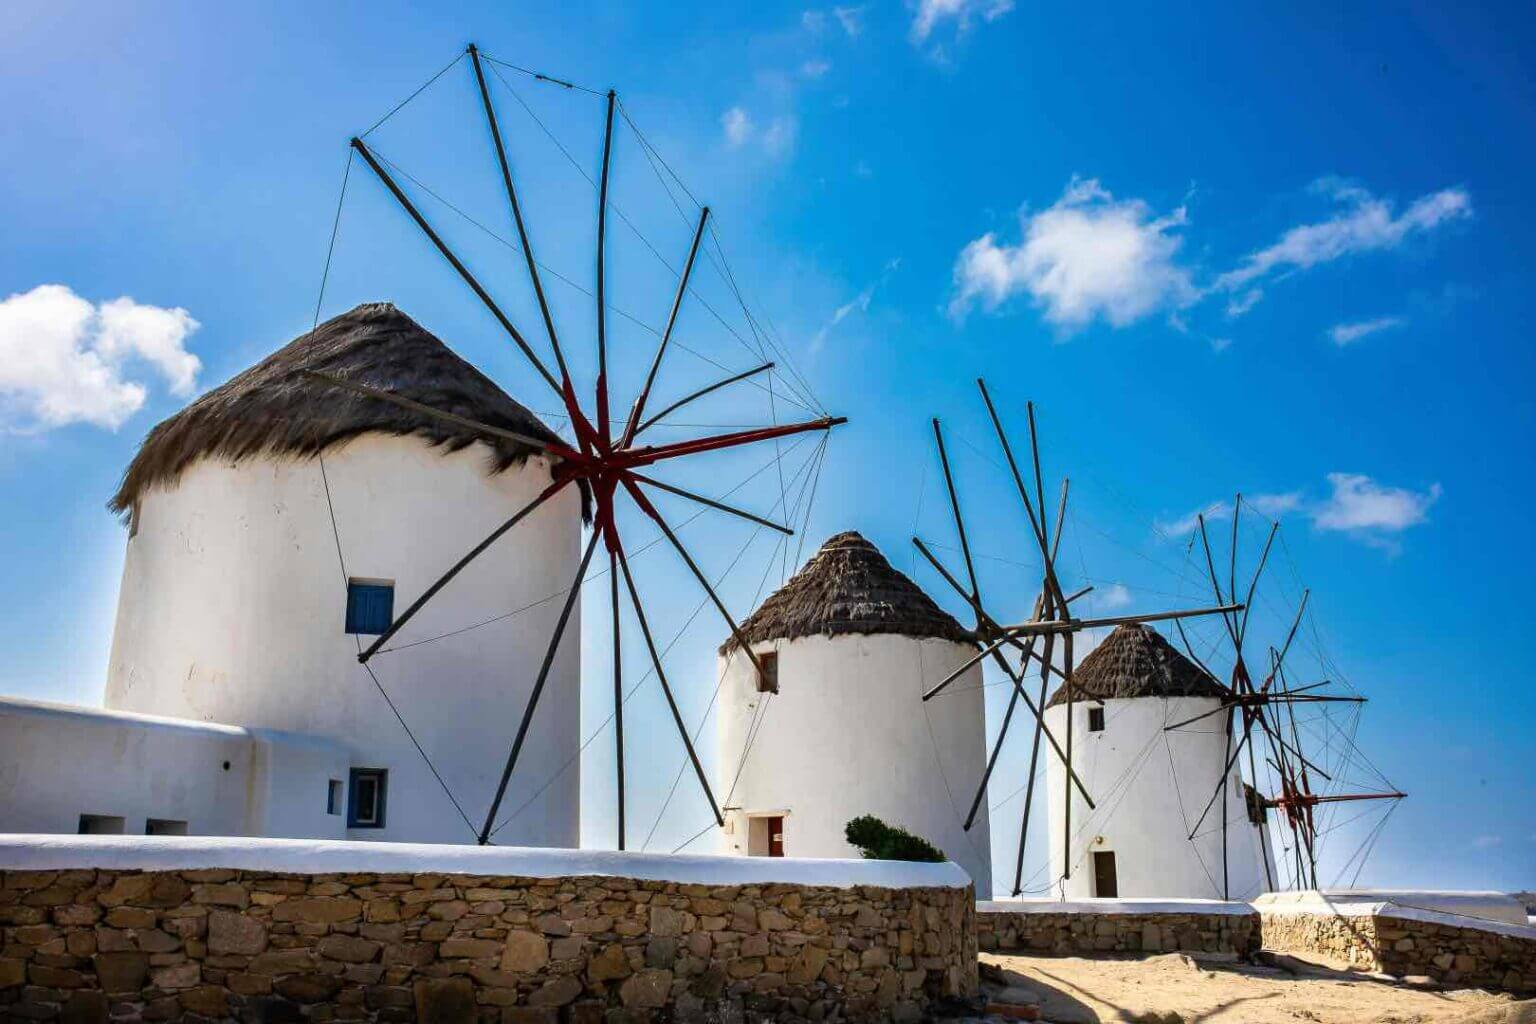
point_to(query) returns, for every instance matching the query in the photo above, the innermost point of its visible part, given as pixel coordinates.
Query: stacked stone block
(200, 945)
(1467, 957)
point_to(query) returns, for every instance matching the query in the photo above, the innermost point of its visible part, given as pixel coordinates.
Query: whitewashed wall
(58, 762)
(1150, 787)
(233, 605)
(848, 734)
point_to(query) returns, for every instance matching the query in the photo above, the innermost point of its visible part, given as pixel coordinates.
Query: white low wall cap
(306, 856)
(1114, 906)
(1489, 911)
(110, 716)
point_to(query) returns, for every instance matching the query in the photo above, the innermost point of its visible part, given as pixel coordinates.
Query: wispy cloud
(1356, 505)
(1092, 256)
(929, 16)
(1349, 333)
(858, 304)
(815, 68)
(850, 19)
(1366, 223)
(1487, 842)
(776, 138)
(738, 126)
(1240, 304)
(1360, 505)
(1087, 256)
(66, 360)
(1116, 595)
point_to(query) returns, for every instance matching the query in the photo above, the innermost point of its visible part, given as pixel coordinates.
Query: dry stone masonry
(1462, 956)
(216, 944)
(1078, 929)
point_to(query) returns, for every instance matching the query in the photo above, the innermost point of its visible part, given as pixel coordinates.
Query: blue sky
(1285, 252)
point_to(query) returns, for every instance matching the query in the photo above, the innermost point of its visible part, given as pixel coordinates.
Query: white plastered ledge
(305, 856)
(1114, 906)
(1490, 911)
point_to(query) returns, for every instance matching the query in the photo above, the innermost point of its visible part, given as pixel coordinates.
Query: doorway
(1105, 884)
(765, 835)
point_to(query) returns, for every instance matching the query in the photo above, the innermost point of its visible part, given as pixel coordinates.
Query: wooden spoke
(692, 396)
(638, 409)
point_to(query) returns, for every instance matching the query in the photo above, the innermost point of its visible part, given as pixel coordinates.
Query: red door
(776, 837)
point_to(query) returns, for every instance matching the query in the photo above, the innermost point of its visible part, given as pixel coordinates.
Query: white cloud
(1091, 255)
(1087, 256)
(1359, 504)
(1240, 304)
(1116, 595)
(1366, 224)
(1274, 506)
(858, 304)
(779, 137)
(776, 138)
(931, 14)
(1271, 506)
(1356, 505)
(1345, 334)
(1487, 842)
(63, 359)
(1220, 344)
(851, 18)
(1216, 510)
(737, 125)
(815, 68)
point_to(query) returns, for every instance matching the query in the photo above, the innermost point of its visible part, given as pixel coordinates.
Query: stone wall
(1493, 956)
(1082, 929)
(254, 945)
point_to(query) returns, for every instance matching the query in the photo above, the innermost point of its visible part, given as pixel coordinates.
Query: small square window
(1096, 719)
(101, 825)
(370, 606)
(335, 797)
(164, 827)
(365, 808)
(768, 675)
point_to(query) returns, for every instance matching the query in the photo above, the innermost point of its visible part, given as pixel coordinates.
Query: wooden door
(1104, 882)
(776, 837)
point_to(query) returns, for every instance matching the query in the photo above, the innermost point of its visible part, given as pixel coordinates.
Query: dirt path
(1072, 989)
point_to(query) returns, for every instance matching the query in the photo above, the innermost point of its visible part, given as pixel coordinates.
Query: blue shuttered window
(370, 606)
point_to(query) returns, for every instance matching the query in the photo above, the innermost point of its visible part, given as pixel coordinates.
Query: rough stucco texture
(87, 945)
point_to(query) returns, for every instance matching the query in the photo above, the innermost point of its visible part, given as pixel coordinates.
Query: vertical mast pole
(618, 686)
(602, 301)
(1226, 878)
(1066, 650)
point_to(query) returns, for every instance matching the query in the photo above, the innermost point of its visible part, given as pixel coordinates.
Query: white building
(837, 728)
(234, 675)
(1151, 784)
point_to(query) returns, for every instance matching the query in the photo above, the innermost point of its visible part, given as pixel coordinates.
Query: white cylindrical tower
(839, 728)
(241, 604)
(1151, 784)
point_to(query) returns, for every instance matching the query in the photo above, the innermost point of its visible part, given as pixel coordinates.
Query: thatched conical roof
(848, 587)
(1136, 661)
(271, 409)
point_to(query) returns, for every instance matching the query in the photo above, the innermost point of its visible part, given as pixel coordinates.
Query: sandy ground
(1174, 988)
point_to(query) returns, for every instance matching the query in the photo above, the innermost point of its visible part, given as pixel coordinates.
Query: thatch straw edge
(1136, 661)
(848, 587)
(271, 409)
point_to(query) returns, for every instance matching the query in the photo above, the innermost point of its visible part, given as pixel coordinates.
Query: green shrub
(878, 841)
